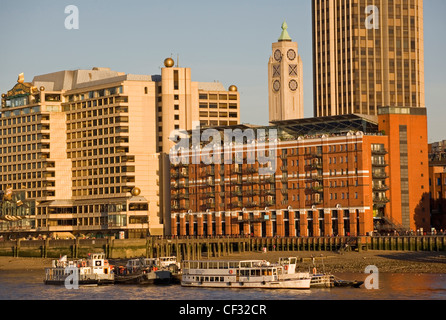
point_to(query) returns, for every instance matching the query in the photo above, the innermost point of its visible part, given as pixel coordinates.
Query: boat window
(223, 265)
(245, 264)
(213, 265)
(233, 264)
(203, 265)
(285, 260)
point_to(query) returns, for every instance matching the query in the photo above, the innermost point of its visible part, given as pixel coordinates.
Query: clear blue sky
(229, 41)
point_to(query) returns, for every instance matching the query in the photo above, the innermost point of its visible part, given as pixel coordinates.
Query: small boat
(142, 271)
(95, 270)
(243, 274)
(348, 283)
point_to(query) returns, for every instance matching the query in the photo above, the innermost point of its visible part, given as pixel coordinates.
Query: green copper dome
(284, 36)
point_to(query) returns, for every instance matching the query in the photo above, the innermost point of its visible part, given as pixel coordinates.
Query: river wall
(196, 248)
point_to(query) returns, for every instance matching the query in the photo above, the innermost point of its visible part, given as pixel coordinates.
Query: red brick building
(337, 175)
(437, 184)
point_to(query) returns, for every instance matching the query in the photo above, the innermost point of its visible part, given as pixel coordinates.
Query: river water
(29, 286)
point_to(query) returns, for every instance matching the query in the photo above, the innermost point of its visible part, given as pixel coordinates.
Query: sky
(227, 41)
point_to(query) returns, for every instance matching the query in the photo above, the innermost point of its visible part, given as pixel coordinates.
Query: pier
(213, 247)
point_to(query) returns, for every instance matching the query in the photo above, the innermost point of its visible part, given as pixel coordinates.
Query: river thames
(16, 285)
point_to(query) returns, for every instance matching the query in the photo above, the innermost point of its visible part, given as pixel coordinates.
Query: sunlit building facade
(330, 176)
(366, 55)
(83, 151)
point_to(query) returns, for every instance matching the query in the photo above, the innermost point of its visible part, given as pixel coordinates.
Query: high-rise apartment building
(367, 54)
(285, 80)
(84, 151)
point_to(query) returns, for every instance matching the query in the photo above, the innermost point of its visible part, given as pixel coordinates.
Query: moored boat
(348, 283)
(318, 280)
(143, 271)
(95, 270)
(243, 274)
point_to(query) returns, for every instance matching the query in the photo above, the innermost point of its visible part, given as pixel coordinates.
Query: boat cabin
(289, 264)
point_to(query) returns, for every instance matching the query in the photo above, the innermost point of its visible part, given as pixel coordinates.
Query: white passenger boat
(95, 270)
(243, 274)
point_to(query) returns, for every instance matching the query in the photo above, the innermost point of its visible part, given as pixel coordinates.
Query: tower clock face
(291, 54)
(293, 85)
(276, 85)
(278, 55)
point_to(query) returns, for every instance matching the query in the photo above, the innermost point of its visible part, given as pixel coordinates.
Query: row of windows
(95, 94)
(216, 114)
(97, 132)
(97, 122)
(100, 112)
(205, 96)
(218, 105)
(20, 120)
(97, 142)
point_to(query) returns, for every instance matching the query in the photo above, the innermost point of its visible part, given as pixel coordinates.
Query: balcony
(317, 177)
(237, 193)
(235, 204)
(382, 164)
(207, 173)
(253, 204)
(380, 188)
(381, 200)
(250, 170)
(317, 189)
(269, 180)
(380, 152)
(268, 203)
(316, 166)
(379, 175)
(268, 192)
(251, 193)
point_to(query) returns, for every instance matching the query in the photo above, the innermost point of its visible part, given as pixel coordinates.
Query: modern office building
(285, 80)
(367, 55)
(83, 151)
(337, 175)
